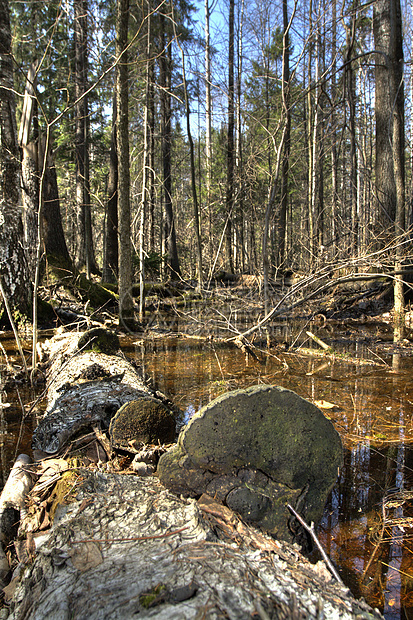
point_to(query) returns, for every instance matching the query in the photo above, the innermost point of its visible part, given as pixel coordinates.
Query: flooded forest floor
(195, 347)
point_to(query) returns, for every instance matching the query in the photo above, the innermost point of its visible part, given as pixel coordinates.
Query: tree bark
(110, 266)
(165, 64)
(14, 271)
(85, 254)
(229, 202)
(126, 311)
(282, 220)
(384, 102)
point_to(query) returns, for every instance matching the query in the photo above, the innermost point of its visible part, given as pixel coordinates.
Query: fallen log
(88, 381)
(99, 543)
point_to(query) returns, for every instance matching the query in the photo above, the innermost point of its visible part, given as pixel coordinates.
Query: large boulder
(256, 450)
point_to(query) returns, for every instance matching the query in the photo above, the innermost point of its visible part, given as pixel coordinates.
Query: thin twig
(311, 531)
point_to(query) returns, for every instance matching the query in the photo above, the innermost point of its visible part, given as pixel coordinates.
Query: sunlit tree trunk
(208, 127)
(239, 139)
(165, 64)
(287, 142)
(145, 168)
(85, 255)
(14, 272)
(334, 157)
(397, 84)
(350, 76)
(197, 225)
(230, 140)
(390, 179)
(310, 138)
(384, 102)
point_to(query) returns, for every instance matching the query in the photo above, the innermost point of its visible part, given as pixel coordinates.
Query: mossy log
(118, 545)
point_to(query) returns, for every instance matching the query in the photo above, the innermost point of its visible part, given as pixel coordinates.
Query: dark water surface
(373, 409)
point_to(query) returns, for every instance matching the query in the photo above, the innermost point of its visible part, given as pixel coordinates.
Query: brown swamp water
(373, 413)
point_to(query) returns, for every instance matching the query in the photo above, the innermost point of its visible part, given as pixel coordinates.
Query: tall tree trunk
(397, 87)
(350, 81)
(151, 177)
(126, 312)
(389, 102)
(334, 156)
(165, 63)
(384, 102)
(197, 226)
(309, 130)
(208, 127)
(287, 144)
(145, 168)
(14, 272)
(85, 255)
(239, 135)
(110, 266)
(230, 140)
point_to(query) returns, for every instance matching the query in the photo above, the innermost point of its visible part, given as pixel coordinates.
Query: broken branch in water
(318, 340)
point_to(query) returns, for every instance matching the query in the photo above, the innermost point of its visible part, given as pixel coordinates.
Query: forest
(174, 141)
(207, 183)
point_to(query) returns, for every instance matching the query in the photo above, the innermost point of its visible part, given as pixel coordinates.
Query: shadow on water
(370, 405)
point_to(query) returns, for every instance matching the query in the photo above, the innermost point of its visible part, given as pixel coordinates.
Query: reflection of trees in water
(375, 558)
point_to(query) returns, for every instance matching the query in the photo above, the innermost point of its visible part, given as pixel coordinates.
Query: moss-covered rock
(256, 450)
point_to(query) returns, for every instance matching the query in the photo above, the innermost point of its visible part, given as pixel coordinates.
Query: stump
(257, 450)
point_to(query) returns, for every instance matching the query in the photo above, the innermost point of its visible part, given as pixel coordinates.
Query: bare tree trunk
(145, 166)
(197, 227)
(230, 141)
(334, 156)
(350, 77)
(384, 102)
(126, 312)
(165, 62)
(110, 266)
(208, 126)
(239, 152)
(13, 263)
(287, 143)
(397, 84)
(85, 244)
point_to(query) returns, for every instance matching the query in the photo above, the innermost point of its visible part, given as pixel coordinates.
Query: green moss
(65, 490)
(99, 340)
(153, 597)
(58, 272)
